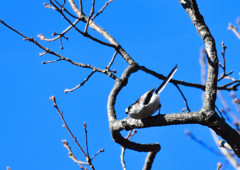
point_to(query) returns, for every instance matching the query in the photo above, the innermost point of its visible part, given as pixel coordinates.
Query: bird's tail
(167, 79)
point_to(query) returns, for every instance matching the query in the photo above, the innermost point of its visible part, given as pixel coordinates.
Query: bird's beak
(126, 111)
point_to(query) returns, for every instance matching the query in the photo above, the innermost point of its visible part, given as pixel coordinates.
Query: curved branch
(117, 137)
(213, 121)
(191, 8)
(149, 160)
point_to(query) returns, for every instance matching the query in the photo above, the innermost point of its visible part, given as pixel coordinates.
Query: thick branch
(159, 120)
(149, 160)
(212, 119)
(117, 137)
(211, 84)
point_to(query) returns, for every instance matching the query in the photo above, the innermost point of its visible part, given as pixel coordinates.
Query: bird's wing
(148, 96)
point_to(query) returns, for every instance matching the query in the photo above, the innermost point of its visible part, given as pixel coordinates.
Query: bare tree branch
(104, 33)
(234, 30)
(219, 165)
(129, 136)
(149, 160)
(71, 155)
(78, 86)
(213, 121)
(47, 50)
(101, 10)
(53, 99)
(85, 34)
(195, 85)
(80, 6)
(111, 62)
(184, 98)
(202, 143)
(90, 16)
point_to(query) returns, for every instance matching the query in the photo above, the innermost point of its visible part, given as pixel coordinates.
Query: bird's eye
(129, 107)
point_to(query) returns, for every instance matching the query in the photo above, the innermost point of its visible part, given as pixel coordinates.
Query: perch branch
(212, 119)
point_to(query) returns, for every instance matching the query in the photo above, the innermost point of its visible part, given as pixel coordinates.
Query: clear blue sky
(157, 35)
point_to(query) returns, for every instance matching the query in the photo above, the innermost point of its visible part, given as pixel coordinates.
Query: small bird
(149, 102)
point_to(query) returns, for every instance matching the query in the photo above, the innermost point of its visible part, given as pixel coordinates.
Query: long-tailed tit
(149, 102)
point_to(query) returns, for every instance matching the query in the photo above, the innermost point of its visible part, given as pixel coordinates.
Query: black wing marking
(148, 97)
(167, 79)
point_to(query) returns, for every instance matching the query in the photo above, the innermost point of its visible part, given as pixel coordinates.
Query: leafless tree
(206, 116)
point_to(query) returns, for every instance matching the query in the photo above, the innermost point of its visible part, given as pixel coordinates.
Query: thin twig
(184, 98)
(236, 101)
(101, 10)
(86, 155)
(53, 99)
(46, 62)
(81, 6)
(42, 37)
(90, 16)
(223, 65)
(234, 30)
(71, 155)
(86, 138)
(111, 62)
(219, 165)
(99, 151)
(219, 112)
(47, 50)
(83, 82)
(63, 9)
(49, 6)
(203, 144)
(89, 160)
(128, 137)
(224, 103)
(85, 34)
(195, 85)
(25, 37)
